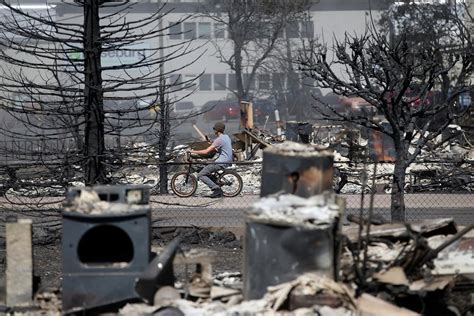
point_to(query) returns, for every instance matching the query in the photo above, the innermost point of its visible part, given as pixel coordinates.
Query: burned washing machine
(104, 252)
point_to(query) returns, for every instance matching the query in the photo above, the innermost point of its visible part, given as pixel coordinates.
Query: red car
(221, 110)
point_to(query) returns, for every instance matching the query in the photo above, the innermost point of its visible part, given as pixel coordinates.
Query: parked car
(221, 110)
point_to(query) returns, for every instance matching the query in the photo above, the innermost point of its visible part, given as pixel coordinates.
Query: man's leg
(203, 176)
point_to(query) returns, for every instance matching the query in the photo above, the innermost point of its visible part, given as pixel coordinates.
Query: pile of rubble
(398, 280)
(299, 259)
(448, 168)
(426, 267)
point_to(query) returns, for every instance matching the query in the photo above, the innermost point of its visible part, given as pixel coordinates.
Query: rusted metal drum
(303, 170)
(287, 236)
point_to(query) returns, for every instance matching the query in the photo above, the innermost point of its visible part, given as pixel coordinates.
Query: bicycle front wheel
(230, 183)
(184, 184)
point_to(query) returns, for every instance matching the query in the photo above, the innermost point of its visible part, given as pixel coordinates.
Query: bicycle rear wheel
(183, 184)
(230, 183)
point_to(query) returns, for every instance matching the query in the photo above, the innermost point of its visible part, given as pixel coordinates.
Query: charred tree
(163, 139)
(411, 87)
(290, 90)
(254, 28)
(93, 96)
(76, 76)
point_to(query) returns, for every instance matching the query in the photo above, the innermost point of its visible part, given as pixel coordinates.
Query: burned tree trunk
(163, 140)
(241, 91)
(399, 80)
(57, 87)
(398, 188)
(254, 28)
(94, 147)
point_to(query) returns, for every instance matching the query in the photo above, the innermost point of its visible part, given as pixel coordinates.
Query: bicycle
(185, 183)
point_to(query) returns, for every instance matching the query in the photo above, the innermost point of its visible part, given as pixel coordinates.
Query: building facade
(328, 20)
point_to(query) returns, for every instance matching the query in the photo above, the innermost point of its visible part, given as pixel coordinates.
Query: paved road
(229, 212)
(170, 210)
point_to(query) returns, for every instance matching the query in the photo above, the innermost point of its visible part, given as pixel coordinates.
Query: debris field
(295, 256)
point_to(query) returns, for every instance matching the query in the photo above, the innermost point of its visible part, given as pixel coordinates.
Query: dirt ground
(47, 256)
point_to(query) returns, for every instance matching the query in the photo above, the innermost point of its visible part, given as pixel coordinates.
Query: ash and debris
(380, 253)
(450, 261)
(396, 272)
(420, 177)
(396, 275)
(458, 258)
(89, 202)
(335, 299)
(302, 150)
(392, 274)
(315, 211)
(331, 297)
(232, 280)
(196, 236)
(270, 304)
(251, 177)
(449, 168)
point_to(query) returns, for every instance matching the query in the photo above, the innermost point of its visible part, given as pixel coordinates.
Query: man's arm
(204, 151)
(213, 147)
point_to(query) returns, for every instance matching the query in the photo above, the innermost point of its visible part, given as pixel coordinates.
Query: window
(189, 30)
(175, 31)
(307, 29)
(204, 29)
(205, 82)
(278, 81)
(111, 1)
(175, 82)
(232, 82)
(219, 82)
(219, 30)
(246, 80)
(292, 30)
(264, 82)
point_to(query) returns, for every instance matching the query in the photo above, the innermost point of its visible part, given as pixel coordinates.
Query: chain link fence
(433, 190)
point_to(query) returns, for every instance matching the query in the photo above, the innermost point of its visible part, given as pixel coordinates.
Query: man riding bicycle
(223, 145)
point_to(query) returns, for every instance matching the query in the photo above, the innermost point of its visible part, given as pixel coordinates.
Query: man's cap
(219, 127)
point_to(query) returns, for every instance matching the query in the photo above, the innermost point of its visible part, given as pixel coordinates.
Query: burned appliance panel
(103, 255)
(297, 169)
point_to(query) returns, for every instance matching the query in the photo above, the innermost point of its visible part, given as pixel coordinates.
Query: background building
(328, 20)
